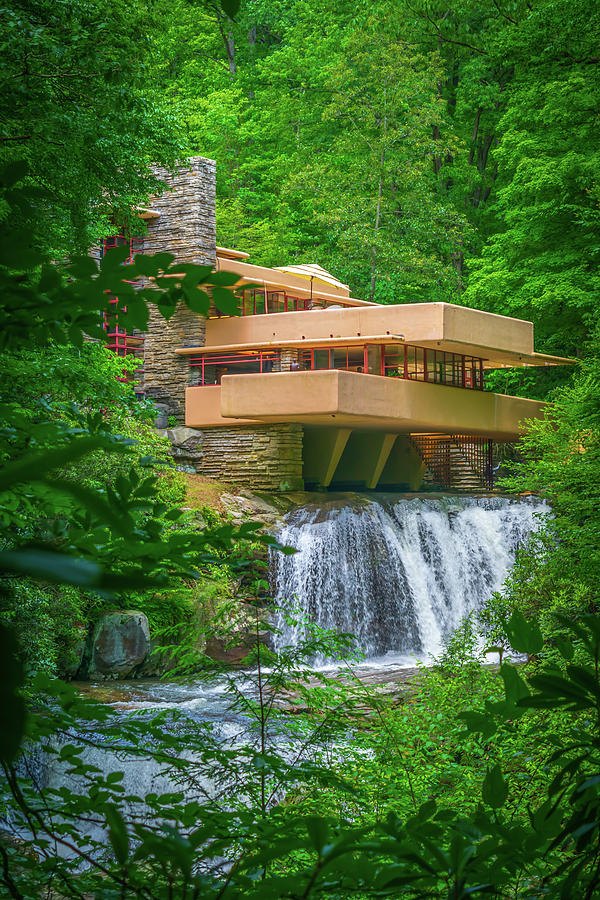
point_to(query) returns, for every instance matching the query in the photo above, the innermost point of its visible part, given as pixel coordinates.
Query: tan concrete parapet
(352, 400)
(203, 408)
(280, 281)
(499, 340)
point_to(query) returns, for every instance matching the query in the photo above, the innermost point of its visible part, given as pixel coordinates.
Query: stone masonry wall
(263, 457)
(286, 361)
(186, 229)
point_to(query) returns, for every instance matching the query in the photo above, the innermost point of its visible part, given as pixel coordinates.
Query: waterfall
(399, 574)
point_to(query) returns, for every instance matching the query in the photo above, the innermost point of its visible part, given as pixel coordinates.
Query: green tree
(562, 463)
(488, 186)
(368, 153)
(325, 130)
(541, 259)
(81, 104)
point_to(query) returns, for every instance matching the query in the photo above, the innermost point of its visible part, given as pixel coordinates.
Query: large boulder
(186, 448)
(120, 643)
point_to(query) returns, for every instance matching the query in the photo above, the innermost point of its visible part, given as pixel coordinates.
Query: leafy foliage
(244, 820)
(561, 462)
(542, 257)
(80, 103)
(418, 150)
(87, 492)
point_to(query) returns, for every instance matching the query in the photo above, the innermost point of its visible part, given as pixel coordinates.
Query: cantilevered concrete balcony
(357, 401)
(498, 340)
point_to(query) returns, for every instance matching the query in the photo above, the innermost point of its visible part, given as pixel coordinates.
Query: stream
(397, 572)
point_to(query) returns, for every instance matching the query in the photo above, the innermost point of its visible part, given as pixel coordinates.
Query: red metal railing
(122, 240)
(120, 341)
(436, 366)
(349, 358)
(211, 369)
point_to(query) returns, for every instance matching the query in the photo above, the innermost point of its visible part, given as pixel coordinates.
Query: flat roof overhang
(297, 344)
(229, 253)
(342, 399)
(499, 340)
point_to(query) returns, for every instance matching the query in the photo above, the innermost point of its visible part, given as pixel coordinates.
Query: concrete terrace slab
(353, 400)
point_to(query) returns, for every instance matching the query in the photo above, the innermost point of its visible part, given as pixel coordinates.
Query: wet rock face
(186, 448)
(120, 644)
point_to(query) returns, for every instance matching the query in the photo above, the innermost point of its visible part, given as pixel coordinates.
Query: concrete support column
(339, 445)
(323, 448)
(381, 452)
(404, 467)
(365, 457)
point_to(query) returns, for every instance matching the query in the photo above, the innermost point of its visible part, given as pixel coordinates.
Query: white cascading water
(398, 574)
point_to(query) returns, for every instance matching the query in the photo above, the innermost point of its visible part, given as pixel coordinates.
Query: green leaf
(495, 789)
(20, 253)
(92, 501)
(426, 810)
(197, 300)
(113, 259)
(226, 301)
(13, 172)
(586, 678)
(524, 636)
(556, 691)
(162, 261)
(230, 7)
(50, 566)
(224, 279)
(478, 722)
(145, 264)
(565, 648)
(195, 274)
(38, 464)
(117, 834)
(514, 686)
(318, 831)
(82, 266)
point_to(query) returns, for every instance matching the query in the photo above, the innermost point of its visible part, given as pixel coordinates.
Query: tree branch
(503, 14)
(20, 137)
(7, 880)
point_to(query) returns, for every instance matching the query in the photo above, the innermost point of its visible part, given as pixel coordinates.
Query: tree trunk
(474, 138)
(229, 43)
(378, 207)
(375, 230)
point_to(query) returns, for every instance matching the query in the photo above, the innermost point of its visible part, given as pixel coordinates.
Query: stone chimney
(185, 227)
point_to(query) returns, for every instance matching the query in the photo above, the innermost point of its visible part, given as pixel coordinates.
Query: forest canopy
(418, 150)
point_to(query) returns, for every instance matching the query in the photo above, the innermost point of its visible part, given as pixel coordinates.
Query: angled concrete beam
(339, 444)
(323, 448)
(404, 465)
(379, 459)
